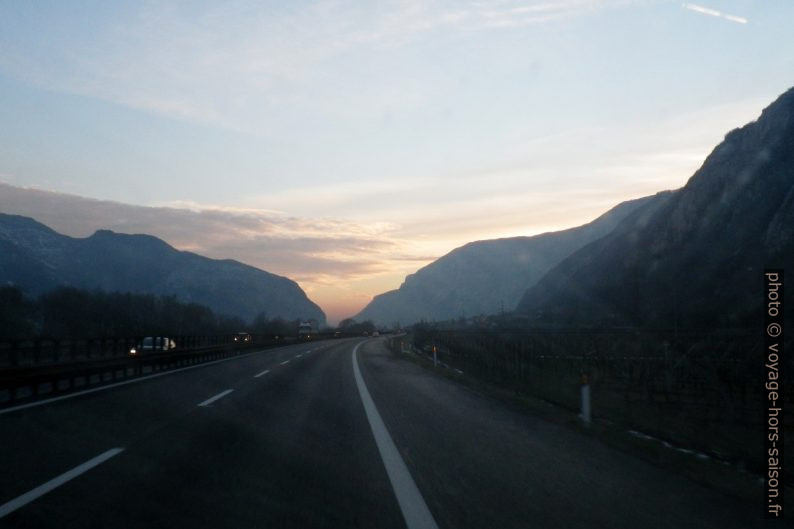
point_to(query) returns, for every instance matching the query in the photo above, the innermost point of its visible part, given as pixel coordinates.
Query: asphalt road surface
(339, 433)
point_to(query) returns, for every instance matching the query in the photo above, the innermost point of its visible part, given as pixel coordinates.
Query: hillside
(485, 277)
(698, 260)
(38, 259)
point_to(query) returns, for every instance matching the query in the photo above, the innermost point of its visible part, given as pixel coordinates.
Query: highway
(339, 433)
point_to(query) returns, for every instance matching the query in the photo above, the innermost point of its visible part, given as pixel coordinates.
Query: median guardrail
(45, 368)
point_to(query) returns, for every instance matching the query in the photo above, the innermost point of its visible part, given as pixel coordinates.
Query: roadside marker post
(585, 390)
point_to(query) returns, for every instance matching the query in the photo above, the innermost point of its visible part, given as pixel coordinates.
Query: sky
(347, 144)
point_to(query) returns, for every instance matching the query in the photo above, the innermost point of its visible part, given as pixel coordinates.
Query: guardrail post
(585, 392)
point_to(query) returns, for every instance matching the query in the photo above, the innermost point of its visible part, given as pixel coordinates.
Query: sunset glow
(344, 145)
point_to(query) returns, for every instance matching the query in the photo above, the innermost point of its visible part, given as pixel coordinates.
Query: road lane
(295, 449)
(480, 463)
(216, 397)
(412, 504)
(41, 490)
(44, 441)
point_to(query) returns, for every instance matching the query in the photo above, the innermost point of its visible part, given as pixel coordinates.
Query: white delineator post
(586, 416)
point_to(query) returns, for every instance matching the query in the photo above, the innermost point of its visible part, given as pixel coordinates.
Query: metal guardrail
(73, 365)
(50, 351)
(44, 367)
(46, 351)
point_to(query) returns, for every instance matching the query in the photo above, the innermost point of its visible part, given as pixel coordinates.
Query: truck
(307, 330)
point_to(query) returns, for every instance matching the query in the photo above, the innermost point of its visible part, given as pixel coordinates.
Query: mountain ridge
(503, 267)
(697, 261)
(38, 259)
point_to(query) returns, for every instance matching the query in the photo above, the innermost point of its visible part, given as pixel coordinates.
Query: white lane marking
(285, 362)
(54, 483)
(216, 397)
(117, 384)
(412, 504)
(298, 356)
(265, 372)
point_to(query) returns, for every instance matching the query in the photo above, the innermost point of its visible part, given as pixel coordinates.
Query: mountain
(485, 277)
(698, 260)
(38, 259)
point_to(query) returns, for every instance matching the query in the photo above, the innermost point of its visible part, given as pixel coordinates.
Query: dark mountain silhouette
(485, 277)
(698, 259)
(38, 259)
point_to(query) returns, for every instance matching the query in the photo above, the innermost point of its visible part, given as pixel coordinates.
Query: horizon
(34, 200)
(346, 147)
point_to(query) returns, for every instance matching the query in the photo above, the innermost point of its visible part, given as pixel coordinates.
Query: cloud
(536, 184)
(403, 21)
(243, 65)
(372, 234)
(304, 249)
(340, 263)
(714, 13)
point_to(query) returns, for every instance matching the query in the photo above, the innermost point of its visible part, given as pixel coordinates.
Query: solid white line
(285, 362)
(54, 483)
(265, 372)
(216, 397)
(117, 384)
(412, 504)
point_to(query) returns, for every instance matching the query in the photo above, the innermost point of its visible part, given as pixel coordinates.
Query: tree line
(72, 312)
